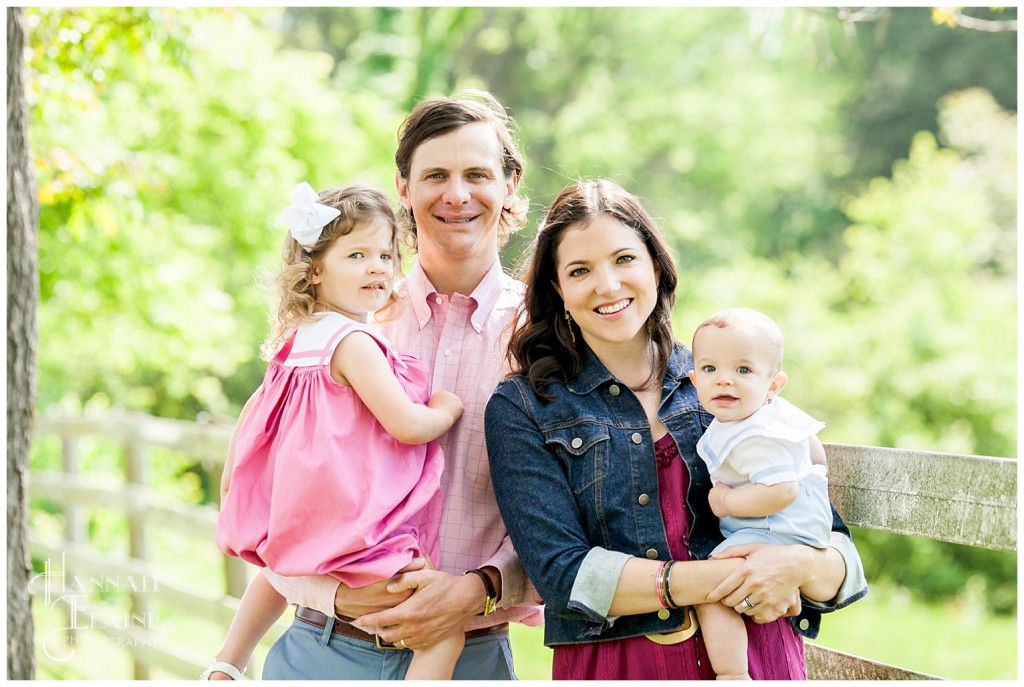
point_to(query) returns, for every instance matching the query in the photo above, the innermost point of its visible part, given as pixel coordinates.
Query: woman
(592, 446)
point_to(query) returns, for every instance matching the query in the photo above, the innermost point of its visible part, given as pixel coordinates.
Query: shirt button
(804, 624)
(576, 443)
(513, 599)
(438, 300)
(652, 553)
(636, 438)
(447, 352)
(614, 389)
(663, 614)
(644, 499)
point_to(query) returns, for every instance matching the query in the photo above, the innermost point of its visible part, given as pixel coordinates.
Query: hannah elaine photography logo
(72, 595)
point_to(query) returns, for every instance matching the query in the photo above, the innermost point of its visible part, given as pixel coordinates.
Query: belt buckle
(381, 644)
(681, 635)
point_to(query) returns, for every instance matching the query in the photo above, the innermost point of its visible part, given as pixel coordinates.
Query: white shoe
(222, 667)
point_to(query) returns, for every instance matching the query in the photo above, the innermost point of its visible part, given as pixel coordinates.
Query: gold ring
(401, 643)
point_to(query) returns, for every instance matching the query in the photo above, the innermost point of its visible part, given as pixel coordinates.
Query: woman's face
(608, 282)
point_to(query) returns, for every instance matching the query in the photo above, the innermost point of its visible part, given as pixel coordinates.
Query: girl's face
(357, 273)
(607, 281)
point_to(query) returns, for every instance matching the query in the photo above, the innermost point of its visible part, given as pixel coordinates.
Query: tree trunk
(22, 294)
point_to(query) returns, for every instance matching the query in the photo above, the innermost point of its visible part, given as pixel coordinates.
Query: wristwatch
(491, 602)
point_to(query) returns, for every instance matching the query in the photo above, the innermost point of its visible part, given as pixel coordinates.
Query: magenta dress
(318, 485)
(774, 651)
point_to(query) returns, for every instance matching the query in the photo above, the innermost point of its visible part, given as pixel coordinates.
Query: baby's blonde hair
(753, 321)
(294, 293)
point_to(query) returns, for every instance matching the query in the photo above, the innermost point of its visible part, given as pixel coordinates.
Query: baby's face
(733, 372)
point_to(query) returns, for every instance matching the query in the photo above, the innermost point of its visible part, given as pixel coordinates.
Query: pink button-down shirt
(462, 339)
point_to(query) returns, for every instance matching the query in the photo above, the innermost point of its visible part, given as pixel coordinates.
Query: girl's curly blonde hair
(294, 294)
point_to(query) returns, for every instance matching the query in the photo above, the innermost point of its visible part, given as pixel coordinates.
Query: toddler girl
(333, 468)
(766, 462)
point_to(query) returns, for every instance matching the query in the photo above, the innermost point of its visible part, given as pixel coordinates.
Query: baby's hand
(446, 400)
(717, 497)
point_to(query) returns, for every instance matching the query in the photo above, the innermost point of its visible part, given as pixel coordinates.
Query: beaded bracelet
(659, 585)
(668, 585)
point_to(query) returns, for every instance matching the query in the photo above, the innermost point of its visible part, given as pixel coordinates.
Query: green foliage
(940, 571)
(855, 180)
(954, 638)
(157, 194)
(902, 65)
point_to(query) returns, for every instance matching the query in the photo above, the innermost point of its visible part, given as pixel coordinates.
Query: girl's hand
(446, 400)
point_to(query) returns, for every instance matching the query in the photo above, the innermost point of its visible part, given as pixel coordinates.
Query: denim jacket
(577, 484)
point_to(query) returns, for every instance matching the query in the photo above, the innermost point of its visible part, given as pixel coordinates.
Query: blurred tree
(763, 139)
(167, 142)
(902, 60)
(22, 296)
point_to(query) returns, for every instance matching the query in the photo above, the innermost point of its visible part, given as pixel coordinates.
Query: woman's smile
(613, 308)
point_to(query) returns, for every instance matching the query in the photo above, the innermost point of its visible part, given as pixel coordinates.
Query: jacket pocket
(584, 449)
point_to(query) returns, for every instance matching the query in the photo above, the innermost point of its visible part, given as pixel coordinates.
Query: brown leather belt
(343, 626)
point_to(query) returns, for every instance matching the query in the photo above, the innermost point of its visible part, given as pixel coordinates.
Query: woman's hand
(770, 577)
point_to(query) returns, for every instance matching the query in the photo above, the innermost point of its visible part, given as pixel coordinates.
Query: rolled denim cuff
(854, 586)
(596, 580)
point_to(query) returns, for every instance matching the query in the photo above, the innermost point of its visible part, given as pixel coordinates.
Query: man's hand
(353, 603)
(770, 577)
(440, 605)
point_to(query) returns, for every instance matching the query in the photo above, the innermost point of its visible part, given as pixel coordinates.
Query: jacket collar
(594, 373)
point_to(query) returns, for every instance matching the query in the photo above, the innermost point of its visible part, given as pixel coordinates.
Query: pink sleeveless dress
(318, 485)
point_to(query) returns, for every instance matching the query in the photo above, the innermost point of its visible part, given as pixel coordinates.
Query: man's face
(456, 189)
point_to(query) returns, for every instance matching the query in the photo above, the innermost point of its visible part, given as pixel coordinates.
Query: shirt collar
(486, 294)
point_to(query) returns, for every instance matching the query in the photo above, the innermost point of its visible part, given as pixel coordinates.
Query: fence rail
(969, 500)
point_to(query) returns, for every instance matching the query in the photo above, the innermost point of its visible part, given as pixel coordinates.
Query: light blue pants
(305, 652)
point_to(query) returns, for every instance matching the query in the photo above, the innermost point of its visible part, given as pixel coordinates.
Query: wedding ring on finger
(401, 643)
(748, 604)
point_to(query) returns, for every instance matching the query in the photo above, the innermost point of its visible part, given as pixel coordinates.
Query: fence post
(75, 523)
(135, 476)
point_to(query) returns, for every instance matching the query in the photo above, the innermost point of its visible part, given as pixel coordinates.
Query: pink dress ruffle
(319, 487)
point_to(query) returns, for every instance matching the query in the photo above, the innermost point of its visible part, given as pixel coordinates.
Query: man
(458, 174)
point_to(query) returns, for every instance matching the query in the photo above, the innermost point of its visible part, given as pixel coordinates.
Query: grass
(956, 640)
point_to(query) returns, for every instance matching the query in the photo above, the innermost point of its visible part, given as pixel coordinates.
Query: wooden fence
(954, 498)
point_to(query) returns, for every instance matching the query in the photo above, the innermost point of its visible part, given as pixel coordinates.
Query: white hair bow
(305, 217)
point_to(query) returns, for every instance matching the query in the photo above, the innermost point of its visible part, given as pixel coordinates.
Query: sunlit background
(853, 174)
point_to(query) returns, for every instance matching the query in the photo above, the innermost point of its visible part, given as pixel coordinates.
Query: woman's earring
(568, 323)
